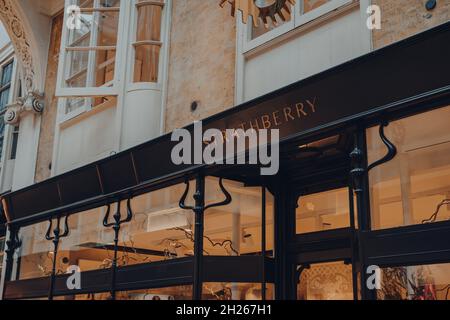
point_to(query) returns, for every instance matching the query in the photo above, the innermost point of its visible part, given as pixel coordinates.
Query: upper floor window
(5, 88)
(147, 44)
(2, 249)
(303, 12)
(89, 48)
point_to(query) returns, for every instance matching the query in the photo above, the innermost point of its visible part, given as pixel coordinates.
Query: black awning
(412, 70)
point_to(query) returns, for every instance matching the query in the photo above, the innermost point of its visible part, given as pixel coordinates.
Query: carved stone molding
(14, 26)
(32, 102)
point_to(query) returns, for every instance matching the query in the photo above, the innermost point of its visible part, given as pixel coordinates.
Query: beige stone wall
(46, 138)
(202, 61)
(404, 18)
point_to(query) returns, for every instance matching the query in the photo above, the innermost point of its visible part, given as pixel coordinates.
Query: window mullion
(90, 77)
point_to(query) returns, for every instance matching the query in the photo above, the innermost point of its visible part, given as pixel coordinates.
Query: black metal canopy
(391, 79)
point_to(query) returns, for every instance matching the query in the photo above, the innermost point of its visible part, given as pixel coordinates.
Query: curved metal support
(225, 202)
(435, 214)
(392, 149)
(55, 238)
(12, 244)
(116, 224)
(182, 202)
(106, 217)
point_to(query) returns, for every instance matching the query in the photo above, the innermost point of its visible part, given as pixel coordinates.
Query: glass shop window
(169, 293)
(89, 244)
(326, 281)
(236, 291)
(5, 89)
(160, 229)
(414, 187)
(147, 44)
(425, 282)
(323, 211)
(34, 257)
(236, 229)
(89, 51)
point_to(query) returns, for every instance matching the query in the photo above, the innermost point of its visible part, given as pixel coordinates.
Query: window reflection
(323, 211)
(236, 291)
(34, 256)
(427, 282)
(169, 293)
(236, 229)
(326, 281)
(414, 187)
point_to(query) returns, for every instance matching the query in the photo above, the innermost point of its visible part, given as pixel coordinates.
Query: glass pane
(7, 74)
(84, 297)
(414, 187)
(326, 281)
(146, 63)
(2, 133)
(107, 28)
(160, 229)
(149, 23)
(170, 293)
(4, 98)
(36, 253)
(234, 229)
(82, 74)
(236, 291)
(104, 67)
(15, 140)
(323, 211)
(78, 64)
(309, 5)
(427, 282)
(89, 242)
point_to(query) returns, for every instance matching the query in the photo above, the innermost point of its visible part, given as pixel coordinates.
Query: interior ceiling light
(261, 10)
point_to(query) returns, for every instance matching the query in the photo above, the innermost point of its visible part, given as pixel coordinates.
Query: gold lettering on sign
(281, 116)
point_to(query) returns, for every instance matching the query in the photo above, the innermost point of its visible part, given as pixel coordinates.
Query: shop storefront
(364, 181)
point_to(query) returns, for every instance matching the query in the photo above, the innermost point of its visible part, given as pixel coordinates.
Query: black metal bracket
(199, 210)
(392, 149)
(12, 244)
(228, 199)
(116, 224)
(55, 238)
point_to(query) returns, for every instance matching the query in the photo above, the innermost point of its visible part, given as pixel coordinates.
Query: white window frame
(298, 20)
(5, 157)
(165, 15)
(63, 68)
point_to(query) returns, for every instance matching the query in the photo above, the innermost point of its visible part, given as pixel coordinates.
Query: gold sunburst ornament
(261, 10)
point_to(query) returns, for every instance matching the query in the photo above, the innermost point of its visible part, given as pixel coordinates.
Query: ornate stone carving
(13, 24)
(32, 102)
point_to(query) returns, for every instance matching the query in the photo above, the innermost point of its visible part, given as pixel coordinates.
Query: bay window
(147, 44)
(89, 49)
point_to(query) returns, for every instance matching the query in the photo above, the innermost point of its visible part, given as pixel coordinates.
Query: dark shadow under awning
(398, 76)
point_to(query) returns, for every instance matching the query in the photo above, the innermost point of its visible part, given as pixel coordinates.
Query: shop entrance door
(322, 254)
